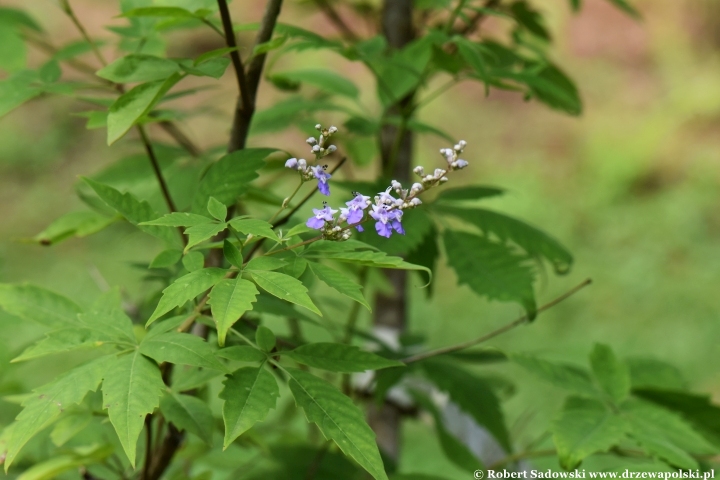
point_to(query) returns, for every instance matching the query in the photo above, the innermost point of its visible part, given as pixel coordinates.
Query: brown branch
(231, 42)
(515, 323)
(156, 168)
(165, 453)
(477, 19)
(336, 20)
(244, 110)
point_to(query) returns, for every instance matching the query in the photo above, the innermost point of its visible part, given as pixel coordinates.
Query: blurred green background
(631, 187)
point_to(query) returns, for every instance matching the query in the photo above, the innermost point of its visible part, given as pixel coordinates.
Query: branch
(477, 19)
(235, 54)
(336, 20)
(156, 168)
(245, 107)
(515, 323)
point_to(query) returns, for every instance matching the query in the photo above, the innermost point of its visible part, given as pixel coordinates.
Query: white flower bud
(461, 164)
(462, 144)
(439, 172)
(318, 127)
(311, 141)
(419, 171)
(396, 185)
(302, 164)
(316, 148)
(331, 148)
(415, 202)
(443, 179)
(416, 187)
(332, 129)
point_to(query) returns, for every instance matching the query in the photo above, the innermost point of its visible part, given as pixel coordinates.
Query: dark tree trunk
(390, 307)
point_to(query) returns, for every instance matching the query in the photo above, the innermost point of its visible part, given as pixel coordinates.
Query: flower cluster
(385, 209)
(308, 172)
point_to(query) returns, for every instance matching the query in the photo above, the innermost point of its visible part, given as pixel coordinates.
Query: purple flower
(320, 216)
(355, 211)
(322, 176)
(387, 220)
(292, 163)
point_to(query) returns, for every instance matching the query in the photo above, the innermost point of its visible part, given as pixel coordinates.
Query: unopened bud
(311, 141)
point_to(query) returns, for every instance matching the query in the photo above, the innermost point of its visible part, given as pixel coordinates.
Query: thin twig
(479, 16)
(515, 323)
(70, 13)
(231, 42)
(156, 168)
(346, 32)
(148, 445)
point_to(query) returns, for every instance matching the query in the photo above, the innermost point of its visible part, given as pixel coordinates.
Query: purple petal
(324, 188)
(383, 229)
(398, 227)
(316, 223)
(359, 228)
(355, 216)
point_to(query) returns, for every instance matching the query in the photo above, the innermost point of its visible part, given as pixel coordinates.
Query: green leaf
(219, 52)
(232, 254)
(56, 466)
(138, 68)
(561, 375)
(296, 267)
(134, 211)
(454, 449)
(491, 269)
(180, 219)
(325, 79)
(366, 258)
(339, 282)
(166, 258)
(584, 427)
(265, 263)
(134, 104)
(250, 393)
(214, 67)
(549, 85)
(612, 375)
(229, 300)
(17, 89)
(475, 192)
(285, 287)
(217, 209)
(469, 51)
(653, 373)
(530, 239)
(50, 72)
(74, 224)
(37, 304)
(268, 46)
(664, 434)
(472, 394)
(265, 338)
(529, 19)
(48, 402)
(626, 7)
(337, 357)
(242, 353)
(185, 289)
(188, 413)
(338, 419)
(69, 425)
(253, 226)
(193, 261)
(181, 349)
(229, 177)
(200, 233)
(131, 389)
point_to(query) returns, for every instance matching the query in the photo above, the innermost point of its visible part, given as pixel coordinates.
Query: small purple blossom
(322, 177)
(320, 216)
(292, 163)
(387, 220)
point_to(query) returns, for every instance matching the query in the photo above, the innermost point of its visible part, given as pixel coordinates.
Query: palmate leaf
(284, 287)
(74, 224)
(180, 219)
(612, 375)
(584, 427)
(180, 348)
(365, 258)
(472, 394)
(252, 226)
(265, 339)
(338, 419)
(229, 177)
(535, 242)
(39, 305)
(561, 375)
(242, 353)
(200, 233)
(93, 329)
(134, 210)
(491, 269)
(188, 413)
(337, 357)
(325, 79)
(339, 282)
(138, 68)
(48, 401)
(265, 263)
(229, 299)
(664, 434)
(250, 393)
(185, 289)
(131, 388)
(134, 104)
